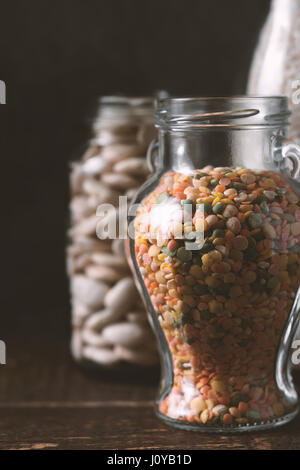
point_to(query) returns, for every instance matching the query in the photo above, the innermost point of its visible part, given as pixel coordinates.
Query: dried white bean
(118, 247)
(125, 334)
(86, 226)
(115, 153)
(104, 273)
(76, 343)
(95, 165)
(84, 243)
(76, 178)
(103, 356)
(88, 291)
(94, 339)
(102, 318)
(79, 208)
(132, 166)
(78, 263)
(80, 311)
(91, 186)
(122, 296)
(108, 259)
(122, 182)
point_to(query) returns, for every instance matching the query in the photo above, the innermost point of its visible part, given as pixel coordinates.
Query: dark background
(56, 58)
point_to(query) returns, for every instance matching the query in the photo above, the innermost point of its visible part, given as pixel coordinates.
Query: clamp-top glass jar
(216, 252)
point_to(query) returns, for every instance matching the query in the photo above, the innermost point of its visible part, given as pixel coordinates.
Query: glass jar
(109, 325)
(215, 244)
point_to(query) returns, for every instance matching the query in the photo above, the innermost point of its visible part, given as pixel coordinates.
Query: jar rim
(117, 108)
(179, 113)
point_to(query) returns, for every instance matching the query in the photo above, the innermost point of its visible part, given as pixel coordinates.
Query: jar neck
(185, 151)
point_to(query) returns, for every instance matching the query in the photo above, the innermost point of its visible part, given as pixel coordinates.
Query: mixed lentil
(222, 306)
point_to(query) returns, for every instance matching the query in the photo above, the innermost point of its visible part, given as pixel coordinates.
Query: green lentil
(219, 207)
(223, 289)
(207, 247)
(205, 315)
(292, 268)
(259, 236)
(237, 398)
(272, 282)
(184, 255)
(219, 233)
(162, 197)
(189, 202)
(254, 220)
(264, 207)
(200, 289)
(168, 252)
(260, 199)
(238, 186)
(199, 175)
(253, 415)
(214, 182)
(196, 259)
(207, 208)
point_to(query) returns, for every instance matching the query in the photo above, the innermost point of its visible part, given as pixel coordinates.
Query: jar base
(230, 429)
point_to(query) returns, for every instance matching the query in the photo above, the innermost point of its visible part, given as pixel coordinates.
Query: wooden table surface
(48, 402)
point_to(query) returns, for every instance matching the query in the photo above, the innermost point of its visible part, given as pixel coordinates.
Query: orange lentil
(220, 188)
(241, 217)
(227, 419)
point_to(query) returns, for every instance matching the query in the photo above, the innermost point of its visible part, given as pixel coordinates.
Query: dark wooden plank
(46, 401)
(122, 428)
(46, 372)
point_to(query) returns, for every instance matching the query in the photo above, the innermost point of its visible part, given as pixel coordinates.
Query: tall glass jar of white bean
(109, 324)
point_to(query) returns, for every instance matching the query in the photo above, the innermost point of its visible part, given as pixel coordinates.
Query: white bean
(103, 356)
(80, 311)
(122, 296)
(84, 243)
(76, 343)
(118, 181)
(125, 334)
(94, 339)
(91, 186)
(88, 291)
(95, 165)
(108, 259)
(79, 208)
(104, 273)
(86, 226)
(132, 166)
(76, 178)
(118, 247)
(117, 152)
(102, 318)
